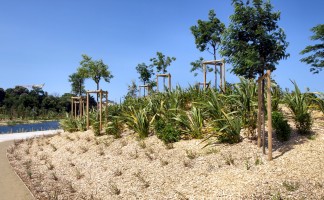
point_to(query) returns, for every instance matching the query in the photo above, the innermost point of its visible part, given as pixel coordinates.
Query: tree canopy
(145, 72)
(77, 83)
(161, 62)
(253, 42)
(208, 33)
(94, 69)
(316, 59)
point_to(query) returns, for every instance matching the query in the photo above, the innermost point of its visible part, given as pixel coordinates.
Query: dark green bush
(281, 126)
(303, 123)
(166, 132)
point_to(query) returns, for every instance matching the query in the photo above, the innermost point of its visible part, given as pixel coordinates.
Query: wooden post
(263, 116)
(106, 120)
(72, 105)
(87, 110)
(100, 110)
(169, 81)
(204, 68)
(259, 111)
(75, 110)
(223, 65)
(269, 115)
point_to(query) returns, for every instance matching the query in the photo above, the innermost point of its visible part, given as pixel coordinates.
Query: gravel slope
(80, 166)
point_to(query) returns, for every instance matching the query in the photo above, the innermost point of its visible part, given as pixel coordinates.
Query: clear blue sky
(42, 41)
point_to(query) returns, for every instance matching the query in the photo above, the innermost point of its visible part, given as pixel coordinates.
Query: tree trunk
(97, 90)
(144, 88)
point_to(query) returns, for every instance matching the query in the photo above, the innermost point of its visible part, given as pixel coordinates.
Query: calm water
(49, 125)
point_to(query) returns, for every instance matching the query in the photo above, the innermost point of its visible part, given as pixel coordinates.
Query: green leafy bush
(69, 124)
(166, 132)
(114, 127)
(281, 126)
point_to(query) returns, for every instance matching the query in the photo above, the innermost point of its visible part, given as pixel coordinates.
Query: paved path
(11, 187)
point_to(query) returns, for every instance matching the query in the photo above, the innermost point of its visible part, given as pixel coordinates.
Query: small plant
(88, 138)
(68, 137)
(53, 147)
(140, 177)
(311, 137)
(123, 143)
(117, 172)
(212, 151)
(277, 196)
(11, 149)
(149, 156)
(164, 162)
(191, 154)
(71, 188)
(281, 126)
(181, 196)
(247, 164)
(101, 151)
(187, 163)
(78, 174)
(54, 176)
(28, 164)
(169, 146)
(29, 174)
(290, 186)
(50, 166)
(258, 161)
(134, 155)
(84, 149)
(142, 144)
(228, 159)
(138, 120)
(114, 189)
(27, 151)
(43, 157)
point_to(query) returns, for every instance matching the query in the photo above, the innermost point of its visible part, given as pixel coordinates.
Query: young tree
(208, 35)
(94, 69)
(77, 83)
(253, 42)
(132, 90)
(145, 73)
(316, 59)
(161, 62)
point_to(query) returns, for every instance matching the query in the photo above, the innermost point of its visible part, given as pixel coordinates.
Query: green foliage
(208, 33)
(253, 42)
(138, 120)
(69, 124)
(320, 101)
(132, 90)
(197, 65)
(316, 59)
(161, 62)
(145, 72)
(244, 101)
(115, 127)
(167, 132)
(299, 104)
(228, 128)
(191, 122)
(281, 126)
(77, 83)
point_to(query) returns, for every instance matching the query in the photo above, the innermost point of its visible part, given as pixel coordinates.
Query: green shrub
(114, 128)
(299, 104)
(281, 126)
(166, 132)
(69, 124)
(96, 128)
(138, 120)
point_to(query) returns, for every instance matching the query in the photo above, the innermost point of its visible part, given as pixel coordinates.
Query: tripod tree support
(74, 109)
(221, 64)
(163, 75)
(102, 94)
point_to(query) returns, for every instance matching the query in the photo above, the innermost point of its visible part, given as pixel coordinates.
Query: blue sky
(41, 41)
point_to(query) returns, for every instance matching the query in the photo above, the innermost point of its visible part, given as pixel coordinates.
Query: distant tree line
(21, 103)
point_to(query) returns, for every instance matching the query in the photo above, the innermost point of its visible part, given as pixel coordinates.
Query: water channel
(41, 126)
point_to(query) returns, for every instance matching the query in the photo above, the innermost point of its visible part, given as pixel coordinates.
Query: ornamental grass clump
(299, 104)
(138, 120)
